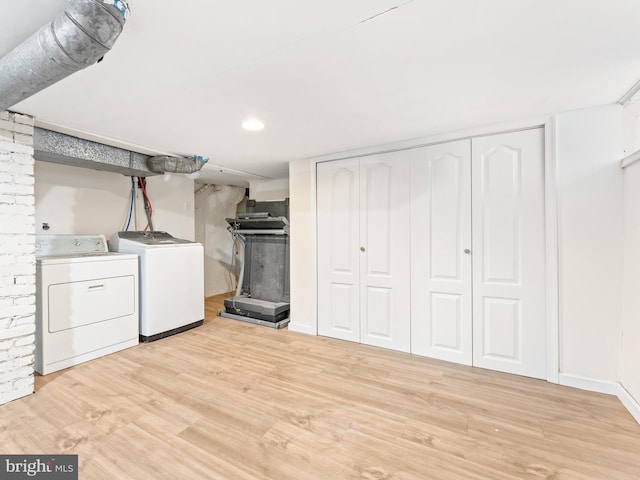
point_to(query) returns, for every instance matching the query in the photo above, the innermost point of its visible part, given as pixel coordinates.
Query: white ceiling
(332, 75)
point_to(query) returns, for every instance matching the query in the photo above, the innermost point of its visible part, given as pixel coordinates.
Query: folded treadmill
(262, 296)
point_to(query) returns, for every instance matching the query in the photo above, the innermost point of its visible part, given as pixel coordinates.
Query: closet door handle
(467, 251)
(362, 249)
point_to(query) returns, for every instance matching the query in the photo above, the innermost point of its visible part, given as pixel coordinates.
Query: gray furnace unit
(262, 296)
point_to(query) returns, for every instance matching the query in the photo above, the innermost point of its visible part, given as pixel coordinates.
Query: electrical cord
(131, 201)
(148, 208)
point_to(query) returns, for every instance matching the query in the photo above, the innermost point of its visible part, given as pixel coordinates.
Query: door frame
(550, 213)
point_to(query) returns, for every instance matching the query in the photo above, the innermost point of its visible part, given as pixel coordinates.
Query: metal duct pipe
(167, 164)
(75, 39)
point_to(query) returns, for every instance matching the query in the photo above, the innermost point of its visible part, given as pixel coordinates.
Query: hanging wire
(131, 201)
(148, 208)
(233, 281)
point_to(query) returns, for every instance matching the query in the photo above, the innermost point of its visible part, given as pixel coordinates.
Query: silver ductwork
(167, 164)
(75, 39)
(55, 147)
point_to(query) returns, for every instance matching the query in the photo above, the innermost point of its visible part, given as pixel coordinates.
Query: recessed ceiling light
(253, 125)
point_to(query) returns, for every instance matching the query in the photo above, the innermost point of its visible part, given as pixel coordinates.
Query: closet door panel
(441, 321)
(384, 251)
(509, 253)
(338, 255)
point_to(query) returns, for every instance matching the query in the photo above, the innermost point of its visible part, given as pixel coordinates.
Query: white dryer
(171, 281)
(86, 300)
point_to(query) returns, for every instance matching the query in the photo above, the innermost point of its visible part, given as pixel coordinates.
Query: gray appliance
(262, 296)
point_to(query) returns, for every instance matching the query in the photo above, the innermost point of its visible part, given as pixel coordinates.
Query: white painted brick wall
(17, 257)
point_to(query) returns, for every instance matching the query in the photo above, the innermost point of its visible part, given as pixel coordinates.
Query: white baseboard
(301, 328)
(603, 386)
(590, 384)
(629, 402)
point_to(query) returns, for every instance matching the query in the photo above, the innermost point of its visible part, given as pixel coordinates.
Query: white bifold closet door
(363, 208)
(509, 286)
(478, 252)
(441, 311)
(338, 217)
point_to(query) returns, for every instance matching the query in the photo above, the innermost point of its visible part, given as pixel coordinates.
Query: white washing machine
(171, 281)
(86, 300)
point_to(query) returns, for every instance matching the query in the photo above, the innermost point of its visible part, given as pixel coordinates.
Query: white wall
(81, 200)
(173, 205)
(215, 203)
(590, 196)
(267, 190)
(303, 283)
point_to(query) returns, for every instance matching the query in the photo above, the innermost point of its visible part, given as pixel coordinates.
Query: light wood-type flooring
(231, 400)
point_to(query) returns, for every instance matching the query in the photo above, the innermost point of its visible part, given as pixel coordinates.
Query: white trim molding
(603, 386)
(629, 402)
(552, 242)
(630, 159)
(301, 328)
(589, 384)
(314, 242)
(626, 98)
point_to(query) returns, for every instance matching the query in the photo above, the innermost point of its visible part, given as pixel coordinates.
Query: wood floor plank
(236, 401)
